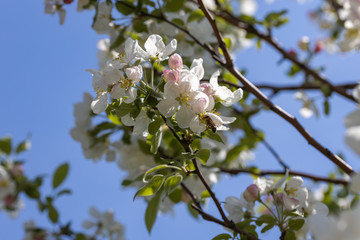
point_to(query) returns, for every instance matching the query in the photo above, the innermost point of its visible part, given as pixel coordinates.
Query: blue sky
(43, 74)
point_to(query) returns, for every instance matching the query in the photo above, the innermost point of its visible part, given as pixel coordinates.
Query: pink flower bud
(279, 199)
(68, 1)
(175, 61)
(319, 46)
(251, 193)
(9, 200)
(17, 170)
(172, 75)
(292, 53)
(200, 104)
(207, 88)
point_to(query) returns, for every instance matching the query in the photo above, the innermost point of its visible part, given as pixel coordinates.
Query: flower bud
(68, 1)
(175, 61)
(207, 88)
(172, 75)
(279, 199)
(292, 53)
(17, 170)
(134, 73)
(304, 43)
(9, 200)
(251, 193)
(319, 46)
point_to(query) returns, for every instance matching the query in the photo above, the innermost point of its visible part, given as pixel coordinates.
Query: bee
(210, 123)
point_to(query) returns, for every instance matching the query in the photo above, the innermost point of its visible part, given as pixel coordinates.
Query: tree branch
(293, 173)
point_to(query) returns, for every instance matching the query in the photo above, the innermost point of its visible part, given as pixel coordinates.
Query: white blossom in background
(307, 109)
(104, 224)
(355, 183)
(356, 93)
(55, 6)
(352, 135)
(248, 7)
(81, 4)
(344, 227)
(102, 23)
(104, 54)
(7, 185)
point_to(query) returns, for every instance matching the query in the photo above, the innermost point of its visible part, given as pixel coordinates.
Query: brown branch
(293, 173)
(230, 18)
(302, 87)
(282, 113)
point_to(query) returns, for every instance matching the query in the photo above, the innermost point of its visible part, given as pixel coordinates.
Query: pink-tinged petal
(117, 92)
(175, 62)
(100, 103)
(134, 73)
(211, 104)
(199, 102)
(168, 107)
(184, 116)
(172, 75)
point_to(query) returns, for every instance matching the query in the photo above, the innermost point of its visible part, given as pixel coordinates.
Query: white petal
(353, 119)
(127, 120)
(117, 92)
(171, 90)
(196, 126)
(184, 116)
(214, 79)
(168, 107)
(110, 156)
(211, 104)
(154, 45)
(100, 103)
(95, 213)
(170, 48)
(132, 93)
(197, 68)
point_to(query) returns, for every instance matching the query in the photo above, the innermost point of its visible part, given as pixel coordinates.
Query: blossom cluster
(282, 201)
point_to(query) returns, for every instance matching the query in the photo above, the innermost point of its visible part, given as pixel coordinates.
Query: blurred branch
(292, 173)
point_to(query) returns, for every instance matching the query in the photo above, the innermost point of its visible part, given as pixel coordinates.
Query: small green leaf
(53, 214)
(60, 175)
(156, 141)
(157, 168)
(296, 224)
(266, 218)
(155, 125)
(290, 235)
(151, 187)
(80, 236)
(139, 26)
(195, 15)
(205, 194)
(124, 109)
(172, 182)
(65, 191)
(32, 192)
(213, 136)
(174, 5)
(223, 236)
(176, 195)
(23, 146)
(326, 107)
(123, 7)
(203, 155)
(5, 145)
(151, 212)
(267, 228)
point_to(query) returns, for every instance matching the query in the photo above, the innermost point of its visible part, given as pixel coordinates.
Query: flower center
(4, 183)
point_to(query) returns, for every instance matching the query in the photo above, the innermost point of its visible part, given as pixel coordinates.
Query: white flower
(104, 54)
(233, 206)
(53, 6)
(264, 185)
(355, 183)
(352, 136)
(7, 185)
(103, 18)
(344, 227)
(306, 110)
(248, 7)
(131, 53)
(356, 93)
(156, 49)
(221, 93)
(81, 4)
(140, 123)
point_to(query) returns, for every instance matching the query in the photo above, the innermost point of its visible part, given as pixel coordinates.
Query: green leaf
(195, 15)
(151, 187)
(144, 147)
(62, 192)
(53, 214)
(5, 145)
(228, 43)
(267, 228)
(172, 182)
(23, 146)
(155, 125)
(157, 168)
(203, 155)
(173, 5)
(122, 7)
(139, 26)
(151, 212)
(124, 109)
(80, 236)
(32, 192)
(205, 194)
(266, 218)
(290, 235)
(213, 136)
(176, 195)
(60, 175)
(326, 107)
(156, 141)
(296, 224)
(178, 22)
(223, 236)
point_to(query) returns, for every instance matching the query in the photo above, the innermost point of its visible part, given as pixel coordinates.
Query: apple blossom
(103, 18)
(175, 62)
(155, 48)
(7, 185)
(251, 193)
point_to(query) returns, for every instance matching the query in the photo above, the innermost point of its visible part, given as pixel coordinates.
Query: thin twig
(291, 172)
(282, 113)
